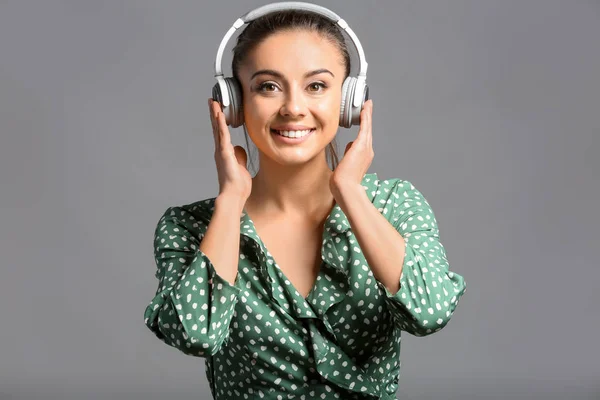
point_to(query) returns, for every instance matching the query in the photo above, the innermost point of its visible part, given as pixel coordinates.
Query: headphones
(354, 90)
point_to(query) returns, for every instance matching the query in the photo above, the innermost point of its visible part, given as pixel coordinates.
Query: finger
(213, 123)
(211, 111)
(223, 129)
(365, 124)
(220, 128)
(362, 130)
(370, 124)
(221, 140)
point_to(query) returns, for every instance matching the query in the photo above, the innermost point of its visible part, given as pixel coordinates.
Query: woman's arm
(197, 270)
(400, 241)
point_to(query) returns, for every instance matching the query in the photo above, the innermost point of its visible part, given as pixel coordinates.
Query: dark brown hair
(289, 20)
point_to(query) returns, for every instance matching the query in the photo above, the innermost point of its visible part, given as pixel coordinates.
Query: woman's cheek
(327, 108)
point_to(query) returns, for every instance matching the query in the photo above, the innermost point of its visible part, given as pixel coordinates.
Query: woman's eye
(265, 85)
(271, 87)
(317, 85)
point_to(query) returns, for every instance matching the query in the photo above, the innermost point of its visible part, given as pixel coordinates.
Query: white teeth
(294, 134)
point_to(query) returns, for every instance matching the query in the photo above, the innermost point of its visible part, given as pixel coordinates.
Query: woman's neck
(298, 191)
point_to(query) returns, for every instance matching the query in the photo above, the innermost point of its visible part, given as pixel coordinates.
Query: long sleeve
(193, 305)
(429, 292)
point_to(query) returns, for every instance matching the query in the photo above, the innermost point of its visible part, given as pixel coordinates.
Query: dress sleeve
(429, 292)
(193, 305)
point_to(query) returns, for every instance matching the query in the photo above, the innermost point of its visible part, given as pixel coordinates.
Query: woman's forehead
(297, 51)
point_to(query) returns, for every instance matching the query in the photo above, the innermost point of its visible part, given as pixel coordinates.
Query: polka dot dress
(262, 340)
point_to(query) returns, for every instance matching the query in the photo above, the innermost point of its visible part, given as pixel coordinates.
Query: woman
(297, 282)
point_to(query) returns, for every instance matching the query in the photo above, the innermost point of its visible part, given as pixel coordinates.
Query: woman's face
(292, 78)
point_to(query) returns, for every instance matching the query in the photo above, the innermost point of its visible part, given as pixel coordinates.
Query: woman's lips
(288, 140)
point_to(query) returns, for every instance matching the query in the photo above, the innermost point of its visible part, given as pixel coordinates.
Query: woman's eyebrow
(280, 76)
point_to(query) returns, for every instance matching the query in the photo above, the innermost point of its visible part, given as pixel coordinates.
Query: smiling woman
(292, 81)
(297, 282)
(247, 65)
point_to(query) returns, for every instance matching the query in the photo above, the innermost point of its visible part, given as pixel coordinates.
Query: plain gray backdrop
(490, 108)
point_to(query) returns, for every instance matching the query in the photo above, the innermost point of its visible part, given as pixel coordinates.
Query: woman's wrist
(230, 201)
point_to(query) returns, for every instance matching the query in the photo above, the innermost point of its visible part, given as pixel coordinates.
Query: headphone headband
(289, 5)
(286, 5)
(354, 91)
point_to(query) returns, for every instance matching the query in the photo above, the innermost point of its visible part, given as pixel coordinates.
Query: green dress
(261, 339)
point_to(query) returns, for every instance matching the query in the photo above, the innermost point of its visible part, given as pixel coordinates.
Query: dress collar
(336, 229)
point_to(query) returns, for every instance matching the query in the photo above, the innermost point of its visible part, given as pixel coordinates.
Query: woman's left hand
(357, 156)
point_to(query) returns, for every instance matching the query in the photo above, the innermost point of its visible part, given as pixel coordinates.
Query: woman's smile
(292, 137)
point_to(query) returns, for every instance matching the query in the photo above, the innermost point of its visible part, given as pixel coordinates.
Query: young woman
(297, 282)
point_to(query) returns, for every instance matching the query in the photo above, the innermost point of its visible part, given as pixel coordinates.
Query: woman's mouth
(292, 137)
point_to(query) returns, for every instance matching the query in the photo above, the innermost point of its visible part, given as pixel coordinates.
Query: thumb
(241, 156)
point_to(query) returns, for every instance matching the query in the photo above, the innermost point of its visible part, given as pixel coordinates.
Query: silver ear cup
(346, 106)
(350, 115)
(234, 114)
(356, 110)
(235, 96)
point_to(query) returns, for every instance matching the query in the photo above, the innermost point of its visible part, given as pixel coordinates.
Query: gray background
(491, 108)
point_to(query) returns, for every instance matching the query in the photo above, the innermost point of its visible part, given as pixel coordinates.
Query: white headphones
(354, 90)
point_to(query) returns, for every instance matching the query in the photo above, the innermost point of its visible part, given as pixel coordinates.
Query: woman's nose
(294, 103)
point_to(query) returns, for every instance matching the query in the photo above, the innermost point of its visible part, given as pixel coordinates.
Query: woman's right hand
(234, 178)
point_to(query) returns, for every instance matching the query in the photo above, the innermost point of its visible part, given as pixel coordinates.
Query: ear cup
(346, 106)
(234, 114)
(235, 96)
(356, 110)
(350, 115)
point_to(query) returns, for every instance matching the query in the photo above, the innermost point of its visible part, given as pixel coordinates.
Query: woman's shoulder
(193, 216)
(380, 190)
